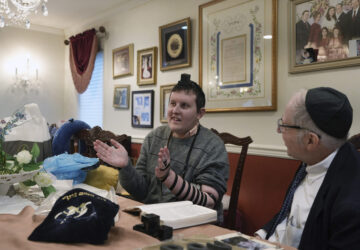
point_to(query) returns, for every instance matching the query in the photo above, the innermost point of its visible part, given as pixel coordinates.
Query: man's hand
(116, 156)
(163, 167)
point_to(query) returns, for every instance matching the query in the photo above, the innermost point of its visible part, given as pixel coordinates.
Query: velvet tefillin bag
(78, 216)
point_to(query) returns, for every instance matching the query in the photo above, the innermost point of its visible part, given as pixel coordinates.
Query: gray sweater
(208, 165)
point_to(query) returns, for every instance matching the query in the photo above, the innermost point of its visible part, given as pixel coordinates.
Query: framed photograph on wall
(323, 36)
(165, 91)
(123, 61)
(175, 45)
(121, 96)
(142, 109)
(238, 55)
(146, 66)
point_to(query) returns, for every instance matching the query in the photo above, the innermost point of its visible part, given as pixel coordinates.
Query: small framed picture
(165, 92)
(142, 109)
(146, 66)
(175, 45)
(121, 96)
(123, 61)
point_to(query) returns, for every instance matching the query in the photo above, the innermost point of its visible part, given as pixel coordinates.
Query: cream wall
(139, 25)
(46, 52)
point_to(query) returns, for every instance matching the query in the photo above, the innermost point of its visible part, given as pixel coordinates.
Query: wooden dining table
(15, 229)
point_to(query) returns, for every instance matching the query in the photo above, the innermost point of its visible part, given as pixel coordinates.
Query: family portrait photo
(326, 30)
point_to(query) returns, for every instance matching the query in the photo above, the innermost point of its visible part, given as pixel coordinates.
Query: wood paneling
(264, 184)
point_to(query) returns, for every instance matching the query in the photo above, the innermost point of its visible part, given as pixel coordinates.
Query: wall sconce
(26, 77)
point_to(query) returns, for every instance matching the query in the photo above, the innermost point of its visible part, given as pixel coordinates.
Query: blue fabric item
(69, 166)
(61, 140)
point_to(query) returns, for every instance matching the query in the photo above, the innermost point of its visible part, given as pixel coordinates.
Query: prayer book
(177, 214)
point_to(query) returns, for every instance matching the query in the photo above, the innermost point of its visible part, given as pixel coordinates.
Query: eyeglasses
(281, 126)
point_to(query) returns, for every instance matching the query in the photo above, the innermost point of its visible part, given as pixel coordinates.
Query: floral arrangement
(24, 161)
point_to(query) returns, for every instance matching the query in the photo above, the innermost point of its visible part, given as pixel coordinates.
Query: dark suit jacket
(334, 218)
(341, 22)
(352, 28)
(302, 34)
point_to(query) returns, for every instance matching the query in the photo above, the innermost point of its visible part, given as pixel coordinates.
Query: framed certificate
(237, 55)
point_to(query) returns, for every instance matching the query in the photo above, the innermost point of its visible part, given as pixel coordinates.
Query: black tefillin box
(151, 226)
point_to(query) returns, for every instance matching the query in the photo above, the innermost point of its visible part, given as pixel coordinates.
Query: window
(91, 101)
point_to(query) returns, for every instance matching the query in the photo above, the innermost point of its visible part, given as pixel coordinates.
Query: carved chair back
(230, 217)
(355, 140)
(83, 141)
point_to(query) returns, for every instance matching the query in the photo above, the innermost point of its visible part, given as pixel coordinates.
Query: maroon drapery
(83, 49)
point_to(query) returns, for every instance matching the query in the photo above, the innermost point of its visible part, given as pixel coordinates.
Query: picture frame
(238, 55)
(142, 109)
(165, 91)
(121, 96)
(147, 66)
(337, 43)
(123, 61)
(175, 45)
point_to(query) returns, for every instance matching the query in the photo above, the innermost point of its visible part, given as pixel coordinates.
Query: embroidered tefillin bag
(78, 216)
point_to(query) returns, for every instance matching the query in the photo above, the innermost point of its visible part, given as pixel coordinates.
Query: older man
(321, 209)
(180, 161)
(352, 27)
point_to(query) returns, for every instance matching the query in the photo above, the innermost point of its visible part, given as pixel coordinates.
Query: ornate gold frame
(239, 96)
(295, 67)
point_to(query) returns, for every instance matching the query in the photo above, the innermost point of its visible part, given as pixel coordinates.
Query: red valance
(83, 49)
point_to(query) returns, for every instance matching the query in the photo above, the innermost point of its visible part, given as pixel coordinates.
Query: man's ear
(201, 113)
(312, 140)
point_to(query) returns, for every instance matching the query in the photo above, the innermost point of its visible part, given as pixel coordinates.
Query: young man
(180, 161)
(321, 209)
(302, 31)
(340, 19)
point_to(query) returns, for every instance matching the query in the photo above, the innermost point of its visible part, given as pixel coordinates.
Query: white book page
(151, 207)
(180, 214)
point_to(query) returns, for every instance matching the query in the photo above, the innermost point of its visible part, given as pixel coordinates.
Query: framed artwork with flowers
(325, 34)
(238, 55)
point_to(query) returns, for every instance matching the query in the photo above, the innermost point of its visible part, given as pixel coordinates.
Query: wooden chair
(82, 141)
(355, 140)
(230, 216)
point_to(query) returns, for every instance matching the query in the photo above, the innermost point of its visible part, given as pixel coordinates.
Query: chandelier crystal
(16, 12)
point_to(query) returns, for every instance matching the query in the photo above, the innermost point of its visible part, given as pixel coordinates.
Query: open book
(177, 214)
